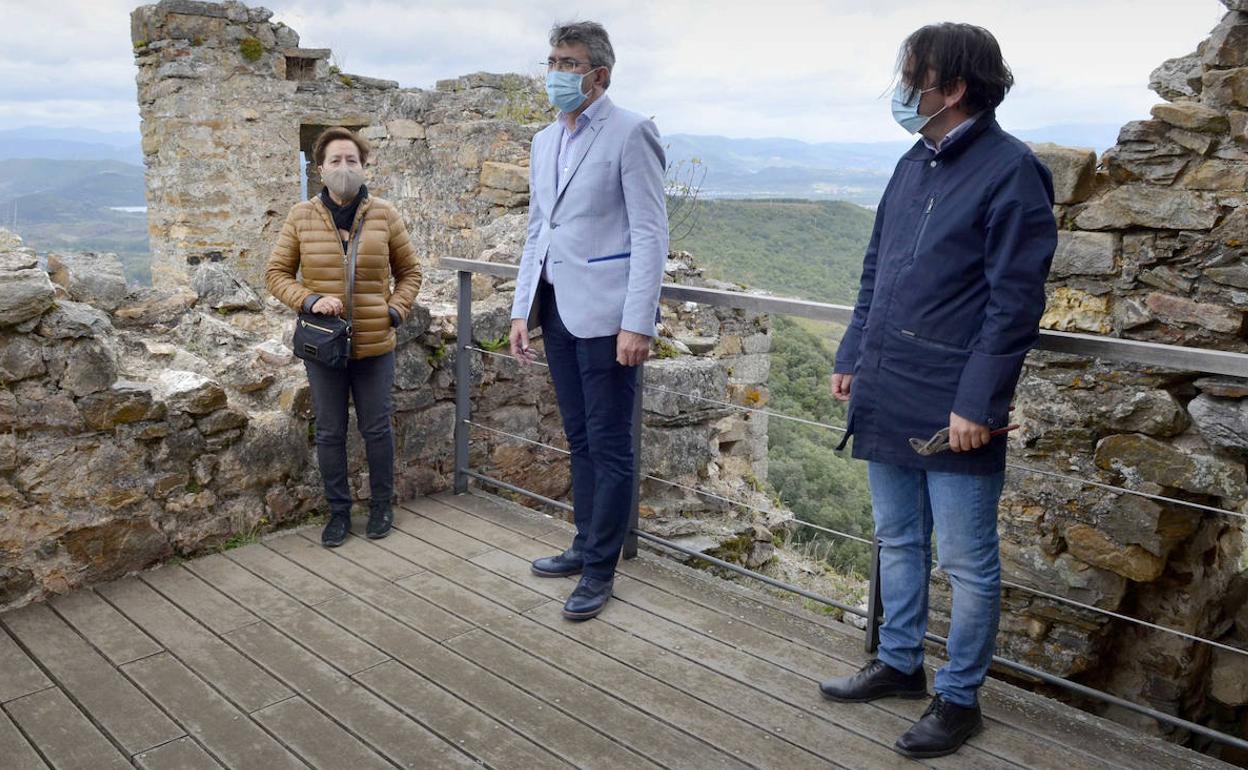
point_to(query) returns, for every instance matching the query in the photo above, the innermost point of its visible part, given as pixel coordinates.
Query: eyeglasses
(563, 64)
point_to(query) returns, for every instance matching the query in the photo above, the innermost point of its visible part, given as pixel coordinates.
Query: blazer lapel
(550, 171)
(582, 148)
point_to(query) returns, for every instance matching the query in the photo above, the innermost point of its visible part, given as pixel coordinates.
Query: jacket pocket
(928, 341)
(610, 257)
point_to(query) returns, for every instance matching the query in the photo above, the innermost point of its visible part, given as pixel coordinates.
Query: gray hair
(593, 35)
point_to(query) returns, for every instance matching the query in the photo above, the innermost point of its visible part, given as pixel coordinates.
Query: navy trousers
(368, 382)
(596, 396)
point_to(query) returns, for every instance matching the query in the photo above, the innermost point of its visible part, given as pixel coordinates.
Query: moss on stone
(251, 48)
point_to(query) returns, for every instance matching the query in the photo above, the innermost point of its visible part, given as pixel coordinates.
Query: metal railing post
(634, 508)
(875, 608)
(463, 380)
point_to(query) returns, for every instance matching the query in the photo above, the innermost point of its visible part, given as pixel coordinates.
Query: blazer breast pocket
(602, 185)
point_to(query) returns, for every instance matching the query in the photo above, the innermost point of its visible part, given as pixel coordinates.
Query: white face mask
(344, 183)
(906, 111)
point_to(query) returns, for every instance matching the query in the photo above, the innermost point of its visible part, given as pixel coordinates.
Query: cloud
(808, 69)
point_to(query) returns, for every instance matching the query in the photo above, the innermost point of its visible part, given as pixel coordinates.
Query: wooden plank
(107, 629)
(182, 754)
(333, 643)
(1050, 722)
(511, 595)
(505, 514)
(383, 563)
(547, 724)
(623, 722)
(115, 704)
(1002, 738)
(405, 741)
(19, 675)
(303, 585)
(180, 586)
(792, 699)
(418, 582)
(474, 732)
(62, 734)
(450, 539)
(488, 532)
(17, 752)
(237, 678)
(516, 518)
(865, 729)
(430, 513)
(430, 620)
(317, 739)
(726, 728)
(214, 721)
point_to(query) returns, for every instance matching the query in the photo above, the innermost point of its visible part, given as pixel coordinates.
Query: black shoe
(942, 730)
(877, 679)
(335, 532)
(567, 563)
(380, 520)
(588, 599)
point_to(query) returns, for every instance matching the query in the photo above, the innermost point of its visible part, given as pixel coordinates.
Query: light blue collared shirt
(567, 141)
(957, 131)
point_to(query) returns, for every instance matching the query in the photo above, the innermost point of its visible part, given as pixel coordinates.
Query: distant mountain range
(70, 144)
(856, 172)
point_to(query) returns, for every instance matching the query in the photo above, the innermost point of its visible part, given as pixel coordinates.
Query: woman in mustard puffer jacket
(315, 242)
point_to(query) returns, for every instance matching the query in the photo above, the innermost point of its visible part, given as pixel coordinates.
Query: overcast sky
(754, 68)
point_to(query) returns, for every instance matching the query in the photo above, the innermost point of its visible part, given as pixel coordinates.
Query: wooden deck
(436, 648)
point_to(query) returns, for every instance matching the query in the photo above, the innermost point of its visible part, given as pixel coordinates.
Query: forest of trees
(812, 250)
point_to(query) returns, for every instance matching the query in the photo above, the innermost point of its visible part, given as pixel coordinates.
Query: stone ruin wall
(1153, 246)
(141, 424)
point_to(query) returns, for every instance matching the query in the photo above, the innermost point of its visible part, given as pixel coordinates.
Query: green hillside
(808, 249)
(69, 205)
(812, 250)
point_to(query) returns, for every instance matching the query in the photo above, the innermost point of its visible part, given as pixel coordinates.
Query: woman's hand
(328, 306)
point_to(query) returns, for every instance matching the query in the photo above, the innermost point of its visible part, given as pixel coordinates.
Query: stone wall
(140, 424)
(228, 99)
(1152, 246)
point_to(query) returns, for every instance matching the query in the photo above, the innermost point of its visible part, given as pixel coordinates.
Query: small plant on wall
(251, 48)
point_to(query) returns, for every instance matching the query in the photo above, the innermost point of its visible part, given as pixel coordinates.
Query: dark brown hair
(334, 134)
(956, 52)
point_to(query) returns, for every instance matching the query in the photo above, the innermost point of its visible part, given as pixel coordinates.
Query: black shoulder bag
(326, 339)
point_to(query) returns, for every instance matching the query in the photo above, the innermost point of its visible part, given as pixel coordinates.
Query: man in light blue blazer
(590, 277)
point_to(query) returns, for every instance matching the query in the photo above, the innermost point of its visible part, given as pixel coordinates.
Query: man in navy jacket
(950, 302)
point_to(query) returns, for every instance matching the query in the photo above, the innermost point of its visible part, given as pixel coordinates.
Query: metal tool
(939, 442)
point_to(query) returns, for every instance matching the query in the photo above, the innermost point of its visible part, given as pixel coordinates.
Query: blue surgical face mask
(564, 90)
(906, 111)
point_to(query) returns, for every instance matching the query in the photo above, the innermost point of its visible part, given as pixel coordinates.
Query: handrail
(1221, 362)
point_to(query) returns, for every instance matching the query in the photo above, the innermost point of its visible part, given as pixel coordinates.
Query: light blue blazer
(604, 229)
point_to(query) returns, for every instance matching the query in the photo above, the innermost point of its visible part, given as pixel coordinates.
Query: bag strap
(354, 252)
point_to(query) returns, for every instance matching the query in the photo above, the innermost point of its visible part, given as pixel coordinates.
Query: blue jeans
(963, 507)
(369, 383)
(595, 395)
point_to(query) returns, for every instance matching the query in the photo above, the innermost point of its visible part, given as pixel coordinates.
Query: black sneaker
(942, 730)
(379, 523)
(877, 679)
(335, 532)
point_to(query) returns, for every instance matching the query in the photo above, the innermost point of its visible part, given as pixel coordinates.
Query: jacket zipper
(934, 343)
(927, 217)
